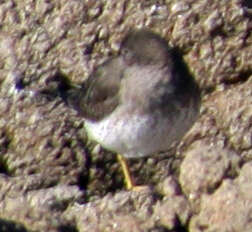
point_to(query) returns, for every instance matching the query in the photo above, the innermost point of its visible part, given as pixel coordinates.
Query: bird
(139, 102)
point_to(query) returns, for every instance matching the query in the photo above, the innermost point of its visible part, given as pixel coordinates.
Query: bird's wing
(98, 96)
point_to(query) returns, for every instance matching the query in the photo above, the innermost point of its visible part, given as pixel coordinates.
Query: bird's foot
(129, 182)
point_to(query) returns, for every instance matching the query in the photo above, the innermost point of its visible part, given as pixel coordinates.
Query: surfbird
(139, 102)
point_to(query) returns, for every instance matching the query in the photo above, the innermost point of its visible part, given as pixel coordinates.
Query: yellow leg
(128, 179)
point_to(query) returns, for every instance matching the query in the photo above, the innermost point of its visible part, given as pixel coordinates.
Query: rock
(50, 179)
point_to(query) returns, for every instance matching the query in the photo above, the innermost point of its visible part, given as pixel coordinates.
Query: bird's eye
(128, 56)
(125, 52)
(121, 76)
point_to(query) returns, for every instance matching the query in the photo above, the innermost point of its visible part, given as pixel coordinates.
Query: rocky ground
(53, 179)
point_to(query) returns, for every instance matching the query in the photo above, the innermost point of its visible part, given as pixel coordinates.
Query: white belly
(136, 135)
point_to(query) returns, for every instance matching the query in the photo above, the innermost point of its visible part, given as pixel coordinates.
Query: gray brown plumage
(140, 101)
